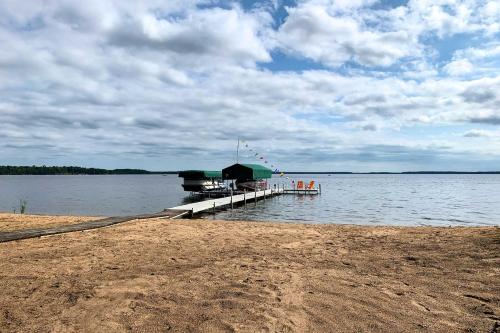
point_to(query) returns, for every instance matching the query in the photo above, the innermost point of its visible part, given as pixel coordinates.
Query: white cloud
(446, 18)
(311, 31)
(490, 15)
(473, 53)
(334, 33)
(340, 5)
(213, 35)
(477, 133)
(459, 67)
(475, 61)
(419, 70)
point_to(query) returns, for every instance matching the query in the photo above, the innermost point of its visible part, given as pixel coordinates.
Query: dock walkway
(198, 207)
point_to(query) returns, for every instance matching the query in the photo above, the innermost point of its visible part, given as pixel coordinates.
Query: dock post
(192, 212)
(319, 185)
(213, 209)
(231, 198)
(264, 194)
(245, 197)
(255, 195)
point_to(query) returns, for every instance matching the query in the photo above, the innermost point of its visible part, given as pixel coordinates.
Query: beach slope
(217, 276)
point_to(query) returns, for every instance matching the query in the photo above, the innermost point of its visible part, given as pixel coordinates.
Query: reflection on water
(386, 200)
(359, 199)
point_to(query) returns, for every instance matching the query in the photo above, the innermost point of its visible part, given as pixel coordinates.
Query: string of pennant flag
(257, 155)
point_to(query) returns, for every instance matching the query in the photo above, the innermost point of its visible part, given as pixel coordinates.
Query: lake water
(360, 199)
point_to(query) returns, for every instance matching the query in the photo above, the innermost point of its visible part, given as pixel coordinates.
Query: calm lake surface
(360, 199)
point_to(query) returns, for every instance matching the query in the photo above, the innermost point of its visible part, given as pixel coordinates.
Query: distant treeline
(452, 172)
(64, 170)
(395, 173)
(74, 170)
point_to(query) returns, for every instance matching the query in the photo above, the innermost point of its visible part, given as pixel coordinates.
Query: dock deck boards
(201, 206)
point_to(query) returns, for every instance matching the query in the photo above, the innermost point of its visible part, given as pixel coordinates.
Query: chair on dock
(300, 185)
(311, 185)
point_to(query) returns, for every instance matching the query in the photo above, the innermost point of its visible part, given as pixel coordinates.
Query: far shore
(221, 276)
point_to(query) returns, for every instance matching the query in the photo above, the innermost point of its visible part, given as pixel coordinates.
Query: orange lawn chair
(311, 185)
(300, 185)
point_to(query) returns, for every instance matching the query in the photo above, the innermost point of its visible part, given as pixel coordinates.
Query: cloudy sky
(346, 85)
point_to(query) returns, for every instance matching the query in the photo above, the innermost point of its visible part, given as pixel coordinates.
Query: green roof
(200, 174)
(247, 172)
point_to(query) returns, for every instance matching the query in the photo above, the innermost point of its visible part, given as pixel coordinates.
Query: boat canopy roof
(200, 174)
(246, 172)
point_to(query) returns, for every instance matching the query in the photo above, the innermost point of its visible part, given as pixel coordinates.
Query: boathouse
(246, 172)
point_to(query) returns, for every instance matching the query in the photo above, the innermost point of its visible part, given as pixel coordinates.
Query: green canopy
(200, 174)
(246, 172)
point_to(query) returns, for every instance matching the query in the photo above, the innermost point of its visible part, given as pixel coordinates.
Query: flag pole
(238, 151)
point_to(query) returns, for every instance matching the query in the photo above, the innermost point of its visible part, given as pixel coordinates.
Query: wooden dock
(229, 201)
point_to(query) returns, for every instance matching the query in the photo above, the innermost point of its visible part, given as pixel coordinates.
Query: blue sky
(347, 85)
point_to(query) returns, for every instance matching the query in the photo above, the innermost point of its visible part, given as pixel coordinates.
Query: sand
(11, 222)
(218, 276)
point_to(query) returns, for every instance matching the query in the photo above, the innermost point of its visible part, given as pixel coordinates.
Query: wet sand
(216, 276)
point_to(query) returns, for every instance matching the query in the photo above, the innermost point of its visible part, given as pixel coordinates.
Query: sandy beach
(10, 222)
(216, 276)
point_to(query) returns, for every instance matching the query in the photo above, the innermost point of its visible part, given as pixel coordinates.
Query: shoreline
(208, 275)
(37, 220)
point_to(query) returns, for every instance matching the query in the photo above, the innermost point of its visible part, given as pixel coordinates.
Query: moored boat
(201, 180)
